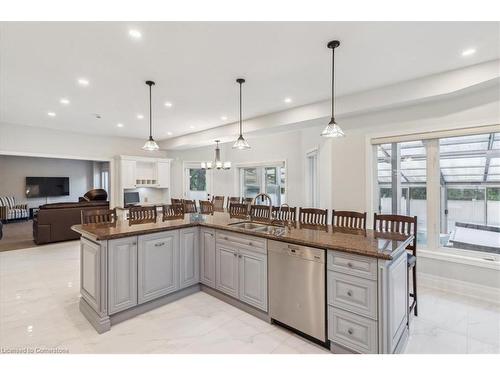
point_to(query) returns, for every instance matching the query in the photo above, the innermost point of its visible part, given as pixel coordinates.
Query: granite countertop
(367, 243)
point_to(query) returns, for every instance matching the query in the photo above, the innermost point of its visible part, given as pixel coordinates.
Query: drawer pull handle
(235, 254)
(159, 244)
(250, 243)
(239, 256)
(350, 331)
(349, 293)
(349, 264)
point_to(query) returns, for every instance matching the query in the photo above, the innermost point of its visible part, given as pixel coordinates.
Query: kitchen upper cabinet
(163, 174)
(253, 278)
(207, 257)
(226, 266)
(122, 286)
(189, 257)
(158, 265)
(128, 173)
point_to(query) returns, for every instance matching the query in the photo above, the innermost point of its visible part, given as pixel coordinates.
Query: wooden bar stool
(313, 217)
(238, 210)
(285, 213)
(172, 212)
(232, 200)
(218, 203)
(141, 215)
(260, 212)
(175, 201)
(189, 206)
(406, 225)
(98, 216)
(349, 219)
(207, 207)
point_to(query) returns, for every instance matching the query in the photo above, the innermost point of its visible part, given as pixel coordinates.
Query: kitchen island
(130, 269)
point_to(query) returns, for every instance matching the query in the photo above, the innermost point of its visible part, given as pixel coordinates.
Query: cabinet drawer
(355, 265)
(352, 331)
(352, 293)
(242, 241)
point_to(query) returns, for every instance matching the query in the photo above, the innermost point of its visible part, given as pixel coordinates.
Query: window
(105, 180)
(402, 182)
(470, 187)
(462, 176)
(264, 179)
(312, 179)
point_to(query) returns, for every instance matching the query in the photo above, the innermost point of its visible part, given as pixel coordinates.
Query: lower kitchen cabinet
(241, 269)
(122, 286)
(158, 265)
(207, 257)
(253, 278)
(226, 266)
(189, 257)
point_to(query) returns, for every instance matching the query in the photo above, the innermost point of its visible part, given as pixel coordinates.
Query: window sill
(462, 257)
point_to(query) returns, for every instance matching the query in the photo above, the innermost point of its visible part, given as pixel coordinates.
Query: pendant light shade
(150, 144)
(333, 130)
(241, 143)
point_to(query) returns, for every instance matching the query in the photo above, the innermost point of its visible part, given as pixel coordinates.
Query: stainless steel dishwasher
(297, 287)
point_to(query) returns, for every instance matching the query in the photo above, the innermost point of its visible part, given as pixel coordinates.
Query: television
(130, 198)
(46, 186)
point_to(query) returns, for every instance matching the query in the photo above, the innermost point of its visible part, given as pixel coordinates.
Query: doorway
(197, 182)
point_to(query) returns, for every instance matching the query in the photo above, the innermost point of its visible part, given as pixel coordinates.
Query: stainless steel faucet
(286, 222)
(268, 197)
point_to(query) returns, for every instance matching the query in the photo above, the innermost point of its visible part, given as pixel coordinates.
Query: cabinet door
(163, 174)
(127, 172)
(158, 268)
(397, 302)
(253, 278)
(122, 278)
(189, 257)
(207, 257)
(226, 270)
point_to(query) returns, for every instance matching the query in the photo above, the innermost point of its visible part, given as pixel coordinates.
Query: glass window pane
(461, 171)
(480, 146)
(197, 179)
(493, 206)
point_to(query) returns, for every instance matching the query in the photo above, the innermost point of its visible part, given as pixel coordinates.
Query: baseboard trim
(100, 323)
(151, 305)
(472, 290)
(236, 303)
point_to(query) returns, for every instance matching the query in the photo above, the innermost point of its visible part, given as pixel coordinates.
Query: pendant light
(217, 163)
(150, 144)
(241, 143)
(332, 130)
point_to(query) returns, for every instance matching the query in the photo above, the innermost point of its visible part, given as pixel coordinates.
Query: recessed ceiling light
(169, 133)
(140, 117)
(120, 125)
(83, 81)
(168, 104)
(64, 101)
(468, 52)
(223, 118)
(287, 100)
(136, 34)
(51, 114)
(192, 127)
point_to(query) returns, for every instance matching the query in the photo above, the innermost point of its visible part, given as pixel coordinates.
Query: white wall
(15, 169)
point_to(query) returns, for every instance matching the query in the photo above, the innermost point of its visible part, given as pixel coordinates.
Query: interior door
(197, 182)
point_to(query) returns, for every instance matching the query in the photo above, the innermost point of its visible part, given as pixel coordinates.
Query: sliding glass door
(264, 179)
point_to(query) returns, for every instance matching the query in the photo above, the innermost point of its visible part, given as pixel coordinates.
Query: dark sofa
(53, 221)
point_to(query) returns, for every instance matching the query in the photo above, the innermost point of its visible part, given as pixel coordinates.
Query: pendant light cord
(241, 132)
(333, 80)
(150, 115)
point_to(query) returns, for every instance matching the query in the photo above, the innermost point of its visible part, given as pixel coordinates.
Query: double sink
(260, 228)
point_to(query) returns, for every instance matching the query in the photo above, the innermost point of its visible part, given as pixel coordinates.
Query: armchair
(10, 209)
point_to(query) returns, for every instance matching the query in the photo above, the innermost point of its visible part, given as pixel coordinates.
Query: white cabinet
(163, 174)
(207, 257)
(226, 266)
(128, 173)
(158, 265)
(241, 268)
(253, 278)
(189, 257)
(122, 285)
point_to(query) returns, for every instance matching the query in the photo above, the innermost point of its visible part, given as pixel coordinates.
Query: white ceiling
(195, 65)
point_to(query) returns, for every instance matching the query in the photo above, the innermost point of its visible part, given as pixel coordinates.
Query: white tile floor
(39, 309)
